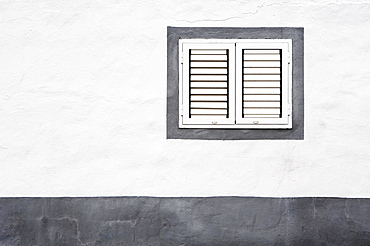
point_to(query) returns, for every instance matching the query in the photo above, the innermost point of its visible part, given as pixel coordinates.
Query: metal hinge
(181, 110)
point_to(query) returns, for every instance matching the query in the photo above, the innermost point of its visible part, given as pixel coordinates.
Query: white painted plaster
(83, 102)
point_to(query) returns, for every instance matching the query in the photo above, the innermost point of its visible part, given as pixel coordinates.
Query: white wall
(83, 102)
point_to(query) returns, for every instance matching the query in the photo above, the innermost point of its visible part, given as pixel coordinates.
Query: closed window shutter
(262, 83)
(208, 84)
(242, 83)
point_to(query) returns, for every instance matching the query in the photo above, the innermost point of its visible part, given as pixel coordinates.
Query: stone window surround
(176, 33)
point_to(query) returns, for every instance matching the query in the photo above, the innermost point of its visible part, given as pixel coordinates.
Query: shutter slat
(208, 98)
(270, 64)
(209, 105)
(262, 97)
(208, 84)
(261, 110)
(208, 57)
(208, 51)
(261, 84)
(214, 116)
(208, 77)
(264, 51)
(209, 71)
(264, 57)
(262, 104)
(261, 77)
(259, 70)
(261, 116)
(209, 111)
(209, 64)
(262, 91)
(208, 91)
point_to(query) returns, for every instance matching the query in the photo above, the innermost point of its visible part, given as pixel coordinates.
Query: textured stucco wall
(83, 102)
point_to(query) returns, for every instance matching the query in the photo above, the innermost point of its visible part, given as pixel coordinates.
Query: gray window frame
(174, 34)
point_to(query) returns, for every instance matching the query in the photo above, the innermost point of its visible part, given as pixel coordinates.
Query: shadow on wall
(184, 221)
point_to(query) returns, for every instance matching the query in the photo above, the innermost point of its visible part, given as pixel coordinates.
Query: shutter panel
(208, 84)
(262, 79)
(244, 83)
(262, 83)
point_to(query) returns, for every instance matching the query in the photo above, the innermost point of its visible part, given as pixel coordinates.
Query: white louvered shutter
(239, 83)
(262, 83)
(207, 84)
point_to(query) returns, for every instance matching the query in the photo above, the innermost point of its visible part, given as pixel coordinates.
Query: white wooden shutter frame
(185, 82)
(236, 89)
(262, 79)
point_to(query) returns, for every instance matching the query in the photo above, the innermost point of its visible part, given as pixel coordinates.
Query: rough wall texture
(83, 113)
(83, 102)
(184, 221)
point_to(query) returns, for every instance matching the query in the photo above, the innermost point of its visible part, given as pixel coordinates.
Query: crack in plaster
(313, 204)
(258, 8)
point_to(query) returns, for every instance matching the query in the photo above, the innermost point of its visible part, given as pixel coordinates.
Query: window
(235, 83)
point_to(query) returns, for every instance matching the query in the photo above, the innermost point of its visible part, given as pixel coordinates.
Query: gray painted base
(184, 221)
